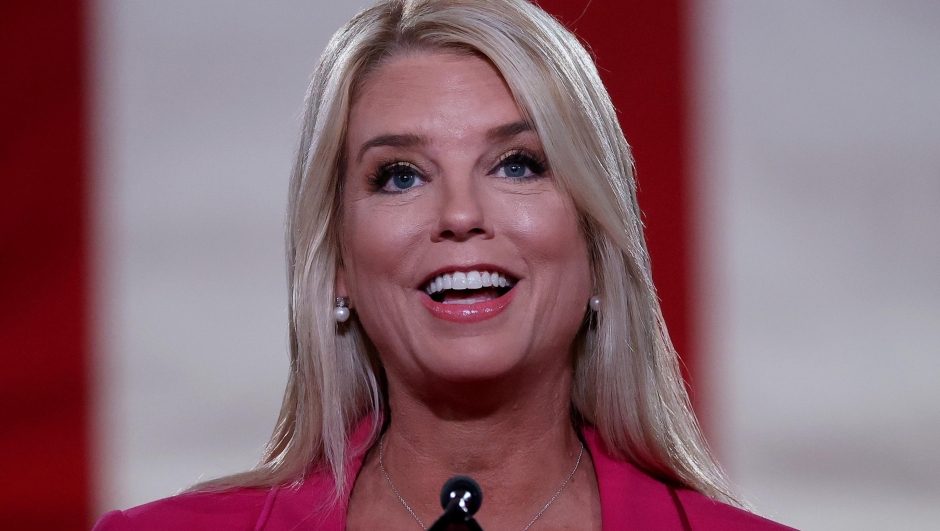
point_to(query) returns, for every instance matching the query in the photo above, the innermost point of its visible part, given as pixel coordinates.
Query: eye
(519, 165)
(397, 177)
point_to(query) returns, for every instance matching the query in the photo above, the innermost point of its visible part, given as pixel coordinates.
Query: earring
(341, 312)
(596, 303)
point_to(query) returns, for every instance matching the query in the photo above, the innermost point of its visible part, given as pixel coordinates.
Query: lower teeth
(465, 301)
(468, 296)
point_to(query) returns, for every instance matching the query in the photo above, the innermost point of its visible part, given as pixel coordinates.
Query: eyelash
(533, 161)
(387, 170)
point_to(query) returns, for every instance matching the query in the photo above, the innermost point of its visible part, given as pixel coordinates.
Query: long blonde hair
(627, 381)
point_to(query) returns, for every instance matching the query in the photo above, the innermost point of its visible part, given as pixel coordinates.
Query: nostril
(460, 235)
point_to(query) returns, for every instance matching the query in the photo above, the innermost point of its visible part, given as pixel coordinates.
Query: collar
(629, 498)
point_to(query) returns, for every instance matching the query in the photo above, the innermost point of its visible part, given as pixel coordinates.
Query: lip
(468, 313)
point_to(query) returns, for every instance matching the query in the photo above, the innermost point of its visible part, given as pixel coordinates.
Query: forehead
(431, 93)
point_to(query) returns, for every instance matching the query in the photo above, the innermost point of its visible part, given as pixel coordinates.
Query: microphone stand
(461, 498)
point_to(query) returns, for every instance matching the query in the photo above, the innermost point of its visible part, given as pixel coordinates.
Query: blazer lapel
(630, 500)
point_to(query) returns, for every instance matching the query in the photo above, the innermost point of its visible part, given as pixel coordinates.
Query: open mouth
(468, 287)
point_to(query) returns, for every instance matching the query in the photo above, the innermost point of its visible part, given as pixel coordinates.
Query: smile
(468, 296)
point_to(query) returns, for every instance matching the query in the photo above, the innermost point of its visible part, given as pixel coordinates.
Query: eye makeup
(515, 162)
(395, 177)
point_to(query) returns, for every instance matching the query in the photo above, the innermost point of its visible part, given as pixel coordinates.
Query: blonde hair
(627, 381)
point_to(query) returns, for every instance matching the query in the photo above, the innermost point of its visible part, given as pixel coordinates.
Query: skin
(489, 399)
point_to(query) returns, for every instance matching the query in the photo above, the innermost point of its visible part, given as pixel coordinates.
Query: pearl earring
(596, 303)
(341, 312)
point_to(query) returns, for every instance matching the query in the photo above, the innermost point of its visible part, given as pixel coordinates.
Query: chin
(474, 360)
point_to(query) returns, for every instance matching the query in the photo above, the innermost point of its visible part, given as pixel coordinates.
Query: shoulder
(631, 499)
(235, 509)
(705, 514)
(309, 503)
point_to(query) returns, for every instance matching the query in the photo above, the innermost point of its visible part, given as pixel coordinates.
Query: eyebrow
(403, 140)
(407, 140)
(505, 132)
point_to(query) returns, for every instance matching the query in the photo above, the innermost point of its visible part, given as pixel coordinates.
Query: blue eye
(519, 165)
(397, 177)
(402, 181)
(515, 169)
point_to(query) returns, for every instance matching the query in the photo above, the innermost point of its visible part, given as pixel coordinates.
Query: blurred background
(789, 165)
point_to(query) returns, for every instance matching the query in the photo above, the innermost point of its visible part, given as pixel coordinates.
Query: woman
(470, 294)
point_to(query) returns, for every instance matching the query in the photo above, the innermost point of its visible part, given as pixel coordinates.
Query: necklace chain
(415, 516)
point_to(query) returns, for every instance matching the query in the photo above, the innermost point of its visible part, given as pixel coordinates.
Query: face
(461, 257)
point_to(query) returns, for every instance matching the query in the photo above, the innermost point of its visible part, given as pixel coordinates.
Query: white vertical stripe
(821, 134)
(198, 115)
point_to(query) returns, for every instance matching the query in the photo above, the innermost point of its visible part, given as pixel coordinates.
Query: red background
(640, 49)
(44, 444)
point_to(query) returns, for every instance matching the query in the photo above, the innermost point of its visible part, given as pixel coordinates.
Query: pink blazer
(630, 500)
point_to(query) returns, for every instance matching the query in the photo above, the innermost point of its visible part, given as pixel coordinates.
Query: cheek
(550, 230)
(379, 253)
(559, 259)
(547, 230)
(377, 243)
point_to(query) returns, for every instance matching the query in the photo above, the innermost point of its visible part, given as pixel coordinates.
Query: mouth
(468, 287)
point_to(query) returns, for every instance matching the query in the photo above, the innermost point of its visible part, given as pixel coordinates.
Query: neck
(514, 437)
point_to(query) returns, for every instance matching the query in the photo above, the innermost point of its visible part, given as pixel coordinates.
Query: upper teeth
(468, 280)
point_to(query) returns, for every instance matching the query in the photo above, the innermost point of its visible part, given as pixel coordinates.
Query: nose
(462, 211)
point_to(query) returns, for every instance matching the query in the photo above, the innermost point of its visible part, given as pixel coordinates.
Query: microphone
(461, 498)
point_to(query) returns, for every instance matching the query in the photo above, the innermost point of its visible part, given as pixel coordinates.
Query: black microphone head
(456, 487)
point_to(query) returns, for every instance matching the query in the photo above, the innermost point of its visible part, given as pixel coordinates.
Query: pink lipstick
(468, 313)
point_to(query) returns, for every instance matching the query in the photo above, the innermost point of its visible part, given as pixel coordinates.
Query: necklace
(415, 516)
